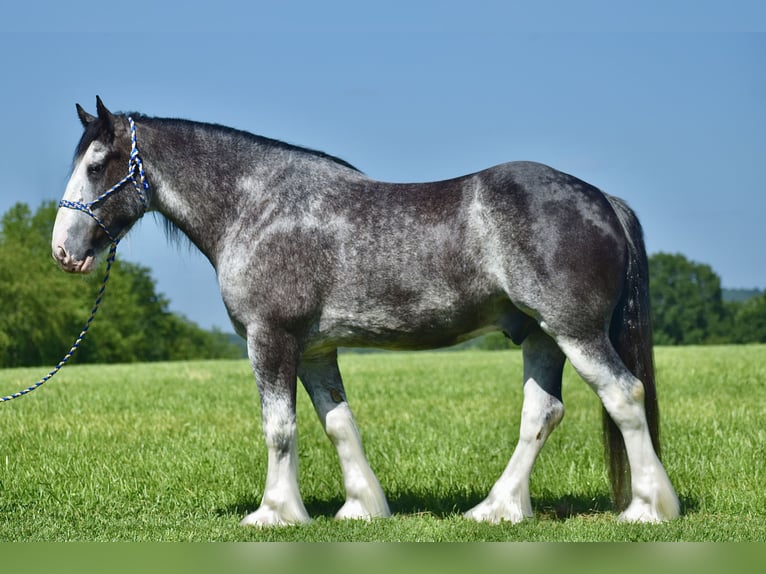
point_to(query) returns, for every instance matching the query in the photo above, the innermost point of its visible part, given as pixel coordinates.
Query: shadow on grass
(550, 508)
(418, 503)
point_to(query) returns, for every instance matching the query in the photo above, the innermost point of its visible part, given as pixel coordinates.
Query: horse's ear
(105, 116)
(85, 118)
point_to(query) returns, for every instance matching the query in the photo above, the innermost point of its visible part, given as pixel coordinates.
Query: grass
(174, 451)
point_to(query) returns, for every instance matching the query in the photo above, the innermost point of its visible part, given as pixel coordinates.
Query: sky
(662, 103)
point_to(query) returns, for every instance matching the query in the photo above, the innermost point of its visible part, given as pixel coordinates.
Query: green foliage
(175, 452)
(689, 306)
(748, 320)
(686, 300)
(42, 309)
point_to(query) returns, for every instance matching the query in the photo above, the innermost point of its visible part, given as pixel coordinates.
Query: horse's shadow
(417, 503)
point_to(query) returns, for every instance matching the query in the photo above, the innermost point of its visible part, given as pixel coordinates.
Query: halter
(135, 175)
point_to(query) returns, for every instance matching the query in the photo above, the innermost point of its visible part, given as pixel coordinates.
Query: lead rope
(137, 177)
(76, 345)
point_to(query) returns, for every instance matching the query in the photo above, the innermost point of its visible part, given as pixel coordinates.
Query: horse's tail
(631, 335)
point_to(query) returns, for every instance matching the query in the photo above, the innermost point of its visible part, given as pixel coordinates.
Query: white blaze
(78, 189)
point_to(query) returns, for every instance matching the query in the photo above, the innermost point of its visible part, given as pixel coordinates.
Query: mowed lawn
(174, 451)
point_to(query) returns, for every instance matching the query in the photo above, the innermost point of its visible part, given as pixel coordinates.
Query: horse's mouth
(72, 265)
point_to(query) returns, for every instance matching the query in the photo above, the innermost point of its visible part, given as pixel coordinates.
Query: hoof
(355, 510)
(642, 512)
(266, 517)
(494, 512)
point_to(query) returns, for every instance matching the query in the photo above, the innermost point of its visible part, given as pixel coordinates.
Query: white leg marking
(653, 496)
(509, 498)
(364, 496)
(281, 503)
(654, 499)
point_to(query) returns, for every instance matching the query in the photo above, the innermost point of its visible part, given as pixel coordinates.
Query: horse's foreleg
(322, 380)
(274, 359)
(509, 498)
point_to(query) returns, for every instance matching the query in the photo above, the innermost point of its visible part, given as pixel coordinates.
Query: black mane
(260, 140)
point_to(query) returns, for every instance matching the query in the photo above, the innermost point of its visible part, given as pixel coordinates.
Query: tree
(748, 320)
(42, 309)
(687, 306)
(37, 308)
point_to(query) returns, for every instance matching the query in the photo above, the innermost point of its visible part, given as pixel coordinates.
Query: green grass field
(174, 451)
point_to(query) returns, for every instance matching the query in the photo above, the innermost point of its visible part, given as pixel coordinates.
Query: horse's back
(422, 265)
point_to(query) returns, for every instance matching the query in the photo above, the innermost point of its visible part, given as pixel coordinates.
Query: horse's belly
(408, 326)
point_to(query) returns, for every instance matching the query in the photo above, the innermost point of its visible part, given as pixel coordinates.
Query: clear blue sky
(661, 103)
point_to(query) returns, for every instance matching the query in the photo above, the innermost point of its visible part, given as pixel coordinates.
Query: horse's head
(100, 203)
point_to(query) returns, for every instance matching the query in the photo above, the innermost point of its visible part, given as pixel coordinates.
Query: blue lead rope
(137, 177)
(76, 345)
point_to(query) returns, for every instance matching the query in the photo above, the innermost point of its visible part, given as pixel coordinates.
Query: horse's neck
(208, 179)
(195, 184)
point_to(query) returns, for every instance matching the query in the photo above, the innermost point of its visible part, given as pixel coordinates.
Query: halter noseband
(136, 175)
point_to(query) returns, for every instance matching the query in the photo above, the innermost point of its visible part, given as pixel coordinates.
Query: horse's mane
(242, 134)
(94, 130)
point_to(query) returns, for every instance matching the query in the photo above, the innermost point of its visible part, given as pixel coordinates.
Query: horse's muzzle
(72, 265)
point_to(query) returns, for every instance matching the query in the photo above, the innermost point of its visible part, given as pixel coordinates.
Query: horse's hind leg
(622, 394)
(364, 496)
(542, 410)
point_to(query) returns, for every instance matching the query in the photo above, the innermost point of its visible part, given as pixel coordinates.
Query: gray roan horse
(312, 255)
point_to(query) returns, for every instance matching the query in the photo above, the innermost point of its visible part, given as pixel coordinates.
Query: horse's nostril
(60, 253)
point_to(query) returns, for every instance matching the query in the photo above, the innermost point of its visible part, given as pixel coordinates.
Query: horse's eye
(95, 169)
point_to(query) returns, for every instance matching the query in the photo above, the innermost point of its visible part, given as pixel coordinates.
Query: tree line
(689, 308)
(42, 309)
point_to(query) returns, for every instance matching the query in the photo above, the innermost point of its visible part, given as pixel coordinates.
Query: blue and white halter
(136, 175)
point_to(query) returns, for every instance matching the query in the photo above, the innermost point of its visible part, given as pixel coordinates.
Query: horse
(312, 255)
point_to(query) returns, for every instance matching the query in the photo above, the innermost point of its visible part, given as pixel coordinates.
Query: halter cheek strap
(136, 176)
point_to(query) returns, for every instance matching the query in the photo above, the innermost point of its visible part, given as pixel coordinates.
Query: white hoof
(354, 509)
(495, 512)
(267, 517)
(659, 507)
(641, 511)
